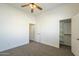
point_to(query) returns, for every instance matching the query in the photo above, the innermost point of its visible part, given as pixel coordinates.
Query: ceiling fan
(33, 6)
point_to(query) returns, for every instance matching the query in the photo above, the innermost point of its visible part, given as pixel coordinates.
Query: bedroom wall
(14, 27)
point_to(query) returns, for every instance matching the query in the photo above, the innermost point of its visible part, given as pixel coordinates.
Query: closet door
(75, 34)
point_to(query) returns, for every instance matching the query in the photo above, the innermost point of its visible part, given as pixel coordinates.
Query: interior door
(31, 32)
(75, 34)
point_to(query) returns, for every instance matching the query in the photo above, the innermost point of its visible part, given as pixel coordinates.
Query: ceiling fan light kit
(33, 6)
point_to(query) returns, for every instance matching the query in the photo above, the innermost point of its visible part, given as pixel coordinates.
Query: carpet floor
(37, 49)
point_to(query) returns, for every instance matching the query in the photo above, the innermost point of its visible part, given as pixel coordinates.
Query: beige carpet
(37, 49)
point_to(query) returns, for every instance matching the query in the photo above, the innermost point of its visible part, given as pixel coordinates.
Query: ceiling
(45, 6)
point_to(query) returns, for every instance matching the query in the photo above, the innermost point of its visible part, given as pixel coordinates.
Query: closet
(65, 32)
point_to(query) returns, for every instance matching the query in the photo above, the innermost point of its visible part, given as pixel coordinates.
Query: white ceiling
(45, 6)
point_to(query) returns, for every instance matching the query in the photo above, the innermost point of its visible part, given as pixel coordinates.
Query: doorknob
(78, 39)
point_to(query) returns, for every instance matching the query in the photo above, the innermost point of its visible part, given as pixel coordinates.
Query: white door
(31, 32)
(75, 34)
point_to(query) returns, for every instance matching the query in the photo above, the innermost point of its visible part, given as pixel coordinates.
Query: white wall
(14, 27)
(75, 34)
(47, 28)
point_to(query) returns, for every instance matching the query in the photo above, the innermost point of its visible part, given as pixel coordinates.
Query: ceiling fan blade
(38, 7)
(32, 10)
(25, 5)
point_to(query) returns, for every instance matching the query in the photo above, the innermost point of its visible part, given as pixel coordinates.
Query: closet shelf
(67, 34)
